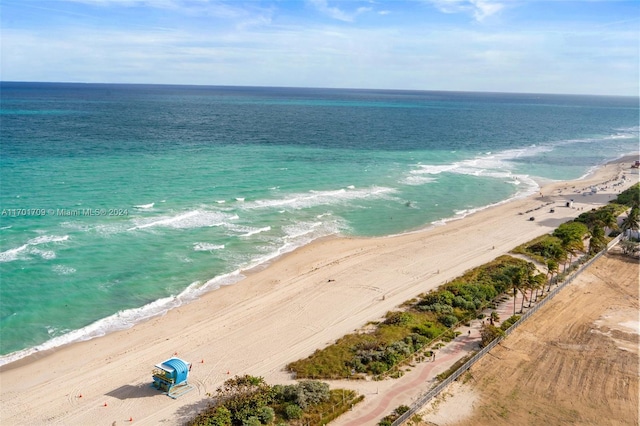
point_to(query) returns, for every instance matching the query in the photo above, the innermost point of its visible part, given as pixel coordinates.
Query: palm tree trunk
(522, 305)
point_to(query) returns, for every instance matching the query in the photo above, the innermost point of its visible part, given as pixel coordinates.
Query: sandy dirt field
(574, 362)
(300, 303)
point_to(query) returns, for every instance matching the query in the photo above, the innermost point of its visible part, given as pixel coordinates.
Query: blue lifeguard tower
(171, 377)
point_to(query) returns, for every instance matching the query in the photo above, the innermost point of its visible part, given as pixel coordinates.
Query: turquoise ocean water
(122, 201)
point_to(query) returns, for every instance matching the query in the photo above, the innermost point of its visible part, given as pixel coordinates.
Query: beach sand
(302, 302)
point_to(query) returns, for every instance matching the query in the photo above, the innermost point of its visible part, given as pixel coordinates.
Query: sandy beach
(300, 303)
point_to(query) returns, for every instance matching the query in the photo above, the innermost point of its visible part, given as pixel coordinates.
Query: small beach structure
(171, 377)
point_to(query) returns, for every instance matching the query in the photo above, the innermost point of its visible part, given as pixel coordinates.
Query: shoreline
(301, 301)
(189, 295)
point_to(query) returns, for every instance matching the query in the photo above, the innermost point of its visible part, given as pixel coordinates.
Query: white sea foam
(23, 252)
(493, 165)
(188, 220)
(207, 246)
(145, 206)
(417, 180)
(257, 231)
(13, 254)
(302, 229)
(247, 231)
(44, 254)
(298, 201)
(63, 270)
(168, 221)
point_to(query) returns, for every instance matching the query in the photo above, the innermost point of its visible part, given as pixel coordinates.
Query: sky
(526, 46)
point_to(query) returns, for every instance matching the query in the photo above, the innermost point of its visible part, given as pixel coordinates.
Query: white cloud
(333, 12)
(480, 9)
(485, 8)
(336, 13)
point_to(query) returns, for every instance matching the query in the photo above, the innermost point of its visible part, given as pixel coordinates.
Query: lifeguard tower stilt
(171, 377)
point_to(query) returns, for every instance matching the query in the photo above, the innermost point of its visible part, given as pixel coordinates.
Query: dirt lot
(574, 362)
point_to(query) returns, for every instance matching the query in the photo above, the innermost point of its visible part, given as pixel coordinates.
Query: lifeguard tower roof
(176, 368)
(171, 376)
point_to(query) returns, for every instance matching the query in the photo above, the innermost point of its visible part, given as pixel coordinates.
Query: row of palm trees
(572, 234)
(525, 279)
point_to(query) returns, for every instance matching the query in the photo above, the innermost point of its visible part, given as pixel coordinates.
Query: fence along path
(417, 405)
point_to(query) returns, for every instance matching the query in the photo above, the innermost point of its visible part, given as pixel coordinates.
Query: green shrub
(438, 308)
(378, 367)
(266, 415)
(489, 333)
(401, 410)
(252, 421)
(426, 331)
(448, 320)
(416, 341)
(312, 392)
(398, 318)
(630, 196)
(293, 411)
(221, 416)
(509, 322)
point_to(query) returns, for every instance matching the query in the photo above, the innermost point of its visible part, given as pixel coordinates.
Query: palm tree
(525, 285)
(571, 235)
(530, 282)
(552, 268)
(516, 275)
(572, 247)
(538, 284)
(632, 221)
(597, 241)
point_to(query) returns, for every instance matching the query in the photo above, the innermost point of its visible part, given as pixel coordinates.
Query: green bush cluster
(629, 197)
(543, 248)
(488, 333)
(303, 394)
(249, 401)
(509, 322)
(389, 419)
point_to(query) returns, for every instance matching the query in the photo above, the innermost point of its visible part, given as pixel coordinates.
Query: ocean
(120, 202)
